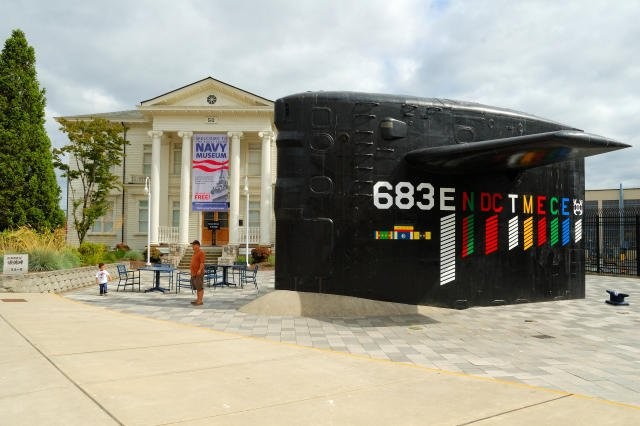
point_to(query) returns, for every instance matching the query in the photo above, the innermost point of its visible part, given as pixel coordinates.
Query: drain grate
(14, 300)
(542, 336)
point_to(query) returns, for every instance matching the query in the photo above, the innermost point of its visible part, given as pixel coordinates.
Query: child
(102, 277)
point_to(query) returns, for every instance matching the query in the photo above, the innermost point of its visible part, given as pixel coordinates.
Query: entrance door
(219, 237)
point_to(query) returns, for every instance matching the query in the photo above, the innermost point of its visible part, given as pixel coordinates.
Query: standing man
(197, 272)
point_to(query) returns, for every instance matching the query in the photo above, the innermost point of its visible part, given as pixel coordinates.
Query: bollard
(616, 298)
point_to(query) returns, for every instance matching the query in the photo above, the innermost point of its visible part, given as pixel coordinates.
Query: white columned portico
(156, 136)
(234, 187)
(265, 188)
(185, 187)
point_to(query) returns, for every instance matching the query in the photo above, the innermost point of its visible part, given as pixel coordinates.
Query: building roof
(170, 102)
(130, 116)
(207, 81)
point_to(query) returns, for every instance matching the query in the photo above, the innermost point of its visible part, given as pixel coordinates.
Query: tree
(29, 193)
(96, 146)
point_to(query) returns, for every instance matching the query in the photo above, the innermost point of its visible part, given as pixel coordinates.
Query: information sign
(16, 264)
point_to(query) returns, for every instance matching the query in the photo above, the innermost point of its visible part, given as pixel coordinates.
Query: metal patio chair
(249, 276)
(183, 279)
(211, 274)
(127, 277)
(237, 271)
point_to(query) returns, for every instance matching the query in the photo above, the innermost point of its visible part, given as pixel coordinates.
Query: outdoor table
(225, 275)
(157, 269)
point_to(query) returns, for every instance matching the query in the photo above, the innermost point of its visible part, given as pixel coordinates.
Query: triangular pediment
(207, 93)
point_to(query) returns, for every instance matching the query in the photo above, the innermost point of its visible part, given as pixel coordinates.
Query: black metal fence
(611, 241)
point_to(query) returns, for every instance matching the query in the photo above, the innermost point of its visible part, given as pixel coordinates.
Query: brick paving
(580, 346)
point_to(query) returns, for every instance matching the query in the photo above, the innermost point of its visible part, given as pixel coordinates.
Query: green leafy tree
(95, 147)
(29, 193)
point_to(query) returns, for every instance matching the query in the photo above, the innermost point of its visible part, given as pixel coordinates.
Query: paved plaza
(584, 347)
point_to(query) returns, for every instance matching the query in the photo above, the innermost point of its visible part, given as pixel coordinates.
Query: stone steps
(211, 255)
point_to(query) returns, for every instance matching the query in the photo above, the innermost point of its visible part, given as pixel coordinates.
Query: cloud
(576, 62)
(573, 62)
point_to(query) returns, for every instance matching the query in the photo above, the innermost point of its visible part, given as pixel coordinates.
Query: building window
(591, 206)
(104, 224)
(631, 206)
(146, 160)
(177, 159)
(175, 214)
(143, 216)
(254, 214)
(254, 160)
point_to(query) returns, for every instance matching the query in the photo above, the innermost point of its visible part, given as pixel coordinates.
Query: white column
(234, 187)
(155, 184)
(265, 188)
(185, 187)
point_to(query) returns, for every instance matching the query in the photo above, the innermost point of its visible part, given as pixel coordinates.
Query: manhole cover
(14, 300)
(543, 336)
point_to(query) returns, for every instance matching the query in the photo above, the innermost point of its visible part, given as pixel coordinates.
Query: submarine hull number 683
(404, 195)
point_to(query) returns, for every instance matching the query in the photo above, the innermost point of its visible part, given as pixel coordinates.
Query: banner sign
(210, 172)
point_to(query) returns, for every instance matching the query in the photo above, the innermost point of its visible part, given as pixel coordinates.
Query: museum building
(156, 202)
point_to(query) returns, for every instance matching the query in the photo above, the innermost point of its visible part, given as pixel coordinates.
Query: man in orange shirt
(197, 272)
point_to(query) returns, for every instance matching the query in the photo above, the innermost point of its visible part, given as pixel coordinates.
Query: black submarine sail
(428, 201)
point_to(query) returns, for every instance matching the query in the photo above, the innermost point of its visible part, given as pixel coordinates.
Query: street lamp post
(246, 227)
(147, 191)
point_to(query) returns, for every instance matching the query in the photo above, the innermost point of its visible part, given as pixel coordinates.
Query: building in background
(610, 199)
(169, 136)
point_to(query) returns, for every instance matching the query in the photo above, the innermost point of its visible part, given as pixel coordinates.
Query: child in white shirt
(102, 278)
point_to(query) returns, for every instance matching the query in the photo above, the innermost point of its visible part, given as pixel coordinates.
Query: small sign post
(16, 264)
(213, 225)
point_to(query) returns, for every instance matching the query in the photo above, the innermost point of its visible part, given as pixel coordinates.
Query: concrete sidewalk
(68, 363)
(580, 346)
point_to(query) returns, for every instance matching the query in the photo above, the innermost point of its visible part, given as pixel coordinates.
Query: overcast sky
(576, 62)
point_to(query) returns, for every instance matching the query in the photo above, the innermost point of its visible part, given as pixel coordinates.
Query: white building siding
(186, 110)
